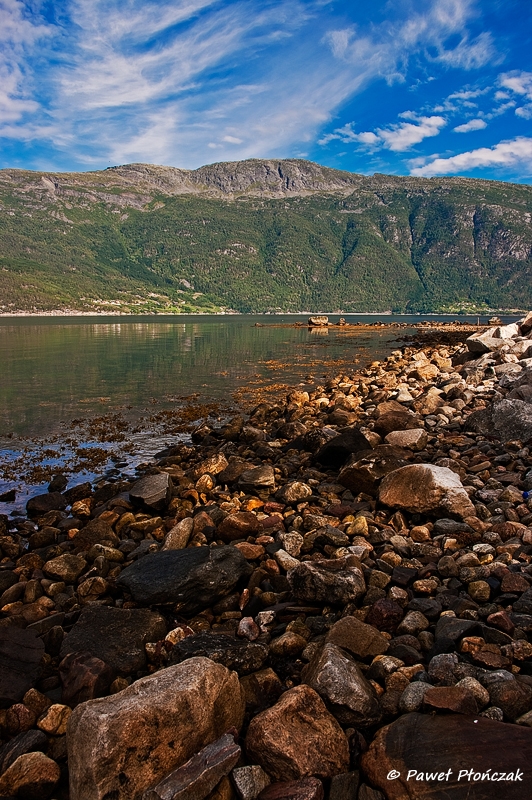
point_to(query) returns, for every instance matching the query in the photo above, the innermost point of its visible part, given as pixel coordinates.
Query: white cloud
(232, 139)
(525, 112)
(404, 135)
(347, 135)
(18, 34)
(517, 81)
(472, 125)
(510, 153)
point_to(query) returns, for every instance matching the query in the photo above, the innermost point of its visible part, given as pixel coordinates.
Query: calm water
(56, 369)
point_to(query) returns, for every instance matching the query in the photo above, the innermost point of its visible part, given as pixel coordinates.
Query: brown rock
(305, 789)
(84, 677)
(150, 729)
(21, 653)
(32, 775)
(396, 421)
(195, 779)
(178, 537)
(261, 689)
(513, 582)
(54, 720)
(514, 697)
(298, 737)
(450, 698)
(421, 488)
(385, 615)
(239, 526)
(65, 568)
(363, 471)
(425, 743)
(361, 640)
(95, 532)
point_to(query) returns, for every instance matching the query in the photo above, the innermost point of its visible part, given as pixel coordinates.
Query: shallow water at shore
(76, 392)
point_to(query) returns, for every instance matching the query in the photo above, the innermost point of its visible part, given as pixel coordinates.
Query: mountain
(259, 235)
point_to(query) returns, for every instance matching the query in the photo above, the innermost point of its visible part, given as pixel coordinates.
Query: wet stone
(236, 654)
(153, 491)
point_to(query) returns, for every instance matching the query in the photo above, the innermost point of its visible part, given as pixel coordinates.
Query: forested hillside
(257, 236)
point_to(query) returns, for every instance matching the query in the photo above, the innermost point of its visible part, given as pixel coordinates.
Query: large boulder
(122, 745)
(337, 581)
(116, 636)
(192, 579)
(298, 737)
(422, 488)
(365, 470)
(426, 757)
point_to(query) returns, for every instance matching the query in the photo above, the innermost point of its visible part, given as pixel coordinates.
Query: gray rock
(508, 419)
(238, 654)
(412, 697)
(153, 491)
(116, 636)
(340, 682)
(258, 480)
(333, 581)
(201, 773)
(43, 503)
(193, 579)
(21, 653)
(250, 781)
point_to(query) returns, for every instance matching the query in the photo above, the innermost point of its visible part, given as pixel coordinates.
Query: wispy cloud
(511, 153)
(472, 125)
(19, 31)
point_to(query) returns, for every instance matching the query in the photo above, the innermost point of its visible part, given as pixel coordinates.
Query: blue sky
(426, 87)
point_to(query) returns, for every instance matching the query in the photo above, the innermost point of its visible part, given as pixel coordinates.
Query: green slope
(260, 236)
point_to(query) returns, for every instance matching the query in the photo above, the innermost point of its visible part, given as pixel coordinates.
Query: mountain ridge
(260, 235)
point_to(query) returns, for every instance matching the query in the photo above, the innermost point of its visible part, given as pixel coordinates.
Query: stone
(193, 579)
(417, 744)
(385, 615)
(305, 789)
(344, 786)
(239, 526)
(21, 653)
(149, 729)
(261, 688)
(507, 419)
(153, 491)
(178, 537)
(333, 581)
(361, 640)
(212, 466)
(334, 453)
(288, 644)
(513, 697)
(479, 591)
(364, 471)
(298, 737)
(293, 492)
(200, 774)
(94, 532)
(480, 694)
(54, 720)
(65, 568)
(84, 677)
(116, 636)
(340, 682)
(43, 503)
(422, 488)
(450, 698)
(242, 656)
(26, 742)
(318, 320)
(249, 781)
(454, 628)
(32, 775)
(258, 480)
(413, 439)
(400, 420)
(412, 697)
(484, 341)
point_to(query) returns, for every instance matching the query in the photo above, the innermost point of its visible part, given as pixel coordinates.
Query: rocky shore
(330, 597)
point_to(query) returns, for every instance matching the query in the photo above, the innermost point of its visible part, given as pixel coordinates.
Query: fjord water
(56, 369)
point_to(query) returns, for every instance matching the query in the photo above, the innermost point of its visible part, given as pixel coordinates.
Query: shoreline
(376, 549)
